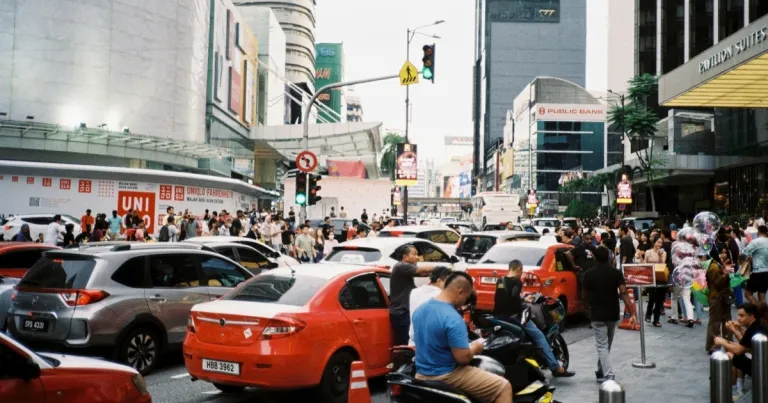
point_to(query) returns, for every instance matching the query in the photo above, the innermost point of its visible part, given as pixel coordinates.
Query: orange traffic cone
(358, 384)
(628, 313)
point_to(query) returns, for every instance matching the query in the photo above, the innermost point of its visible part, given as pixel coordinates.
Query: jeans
(401, 323)
(604, 332)
(541, 341)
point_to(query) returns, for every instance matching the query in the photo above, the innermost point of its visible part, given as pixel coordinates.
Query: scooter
(504, 354)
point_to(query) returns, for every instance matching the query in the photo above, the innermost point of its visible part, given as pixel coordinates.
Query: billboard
(459, 141)
(624, 191)
(459, 186)
(406, 165)
(547, 11)
(570, 112)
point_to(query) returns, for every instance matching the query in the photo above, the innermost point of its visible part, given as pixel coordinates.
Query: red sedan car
(17, 257)
(292, 329)
(43, 378)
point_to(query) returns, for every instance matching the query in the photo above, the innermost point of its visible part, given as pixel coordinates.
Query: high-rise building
(297, 17)
(329, 69)
(609, 61)
(521, 40)
(354, 109)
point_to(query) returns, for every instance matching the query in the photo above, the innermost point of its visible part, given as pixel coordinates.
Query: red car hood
(77, 362)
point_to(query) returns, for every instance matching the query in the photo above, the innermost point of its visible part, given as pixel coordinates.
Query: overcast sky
(374, 37)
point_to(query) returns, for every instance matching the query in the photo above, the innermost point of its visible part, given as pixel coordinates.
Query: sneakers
(738, 393)
(600, 377)
(563, 374)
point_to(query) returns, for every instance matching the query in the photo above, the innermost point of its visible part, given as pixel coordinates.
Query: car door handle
(358, 321)
(158, 298)
(562, 280)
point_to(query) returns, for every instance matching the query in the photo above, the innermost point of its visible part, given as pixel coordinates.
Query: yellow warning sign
(408, 74)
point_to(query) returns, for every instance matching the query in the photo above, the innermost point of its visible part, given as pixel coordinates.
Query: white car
(273, 255)
(549, 223)
(384, 252)
(38, 224)
(444, 237)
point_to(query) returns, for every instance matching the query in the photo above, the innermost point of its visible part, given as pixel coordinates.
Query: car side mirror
(454, 259)
(30, 370)
(273, 265)
(275, 255)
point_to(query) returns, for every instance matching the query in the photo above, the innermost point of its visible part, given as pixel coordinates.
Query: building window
(672, 35)
(731, 17)
(702, 16)
(645, 30)
(757, 9)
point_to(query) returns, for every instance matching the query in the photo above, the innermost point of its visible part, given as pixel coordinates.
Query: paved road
(171, 383)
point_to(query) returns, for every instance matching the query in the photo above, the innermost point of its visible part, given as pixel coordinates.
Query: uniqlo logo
(166, 192)
(84, 186)
(30, 180)
(178, 193)
(14, 179)
(47, 182)
(65, 184)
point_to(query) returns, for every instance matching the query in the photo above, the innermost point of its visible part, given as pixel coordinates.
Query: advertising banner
(570, 112)
(347, 169)
(532, 200)
(406, 165)
(640, 275)
(458, 186)
(250, 82)
(396, 196)
(624, 191)
(235, 92)
(72, 196)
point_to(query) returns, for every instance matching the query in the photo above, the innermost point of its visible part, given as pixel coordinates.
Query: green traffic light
(301, 198)
(427, 73)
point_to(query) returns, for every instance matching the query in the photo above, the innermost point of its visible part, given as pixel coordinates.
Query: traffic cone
(668, 303)
(358, 384)
(628, 313)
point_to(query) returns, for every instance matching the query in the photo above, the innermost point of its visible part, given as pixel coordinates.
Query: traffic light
(428, 71)
(301, 189)
(313, 189)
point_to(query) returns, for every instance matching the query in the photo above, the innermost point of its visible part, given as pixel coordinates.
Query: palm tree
(389, 154)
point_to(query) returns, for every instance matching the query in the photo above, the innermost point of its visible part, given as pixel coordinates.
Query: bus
(495, 208)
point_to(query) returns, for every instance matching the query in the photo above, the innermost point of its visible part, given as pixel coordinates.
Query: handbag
(746, 269)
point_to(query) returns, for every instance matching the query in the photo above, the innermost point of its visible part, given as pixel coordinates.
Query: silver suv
(129, 301)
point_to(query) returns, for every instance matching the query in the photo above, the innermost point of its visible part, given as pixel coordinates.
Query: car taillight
(395, 390)
(13, 294)
(7, 227)
(282, 326)
(83, 297)
(531, 280)
(190, 324)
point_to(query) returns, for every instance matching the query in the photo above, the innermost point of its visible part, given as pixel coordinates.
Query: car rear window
(476, 244)
(504, 255)
(354, 256)
(59, 272)
(396, 234)
(287, 290)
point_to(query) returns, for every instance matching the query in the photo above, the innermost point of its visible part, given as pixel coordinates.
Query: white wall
(265, 26)
(610, 44)
(134, 63)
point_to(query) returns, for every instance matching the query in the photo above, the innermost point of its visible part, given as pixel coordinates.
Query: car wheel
(334, 385)
(140, 350)
(229, 388)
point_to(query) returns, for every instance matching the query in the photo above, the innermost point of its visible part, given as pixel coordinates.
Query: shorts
(758, 282)
(479, 384)
(743, 364)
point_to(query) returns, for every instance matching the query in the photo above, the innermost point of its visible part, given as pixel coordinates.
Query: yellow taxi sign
(409, 74)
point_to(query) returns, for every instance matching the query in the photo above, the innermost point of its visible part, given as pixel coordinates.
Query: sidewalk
(681, 374)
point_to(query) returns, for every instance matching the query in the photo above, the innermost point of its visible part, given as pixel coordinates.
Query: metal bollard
(759, 368)
(720, 388)
(612, 392)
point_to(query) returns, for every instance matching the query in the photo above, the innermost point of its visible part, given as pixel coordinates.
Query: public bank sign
(728, 52)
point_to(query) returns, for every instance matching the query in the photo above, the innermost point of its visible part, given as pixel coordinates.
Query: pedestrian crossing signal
(428, 71)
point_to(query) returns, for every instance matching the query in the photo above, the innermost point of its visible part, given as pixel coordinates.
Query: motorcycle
(549, 314)
(504, 354)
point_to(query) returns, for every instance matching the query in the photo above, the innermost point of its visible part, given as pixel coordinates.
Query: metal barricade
(759, 368)
(612, 392)
(720, 388)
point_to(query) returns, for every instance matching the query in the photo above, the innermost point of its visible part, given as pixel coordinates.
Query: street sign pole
(308, 109)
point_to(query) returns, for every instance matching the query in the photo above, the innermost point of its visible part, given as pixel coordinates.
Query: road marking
(180, 376)
(212, 392)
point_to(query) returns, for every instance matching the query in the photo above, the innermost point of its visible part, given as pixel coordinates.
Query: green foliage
(581, 209)
(389, 154)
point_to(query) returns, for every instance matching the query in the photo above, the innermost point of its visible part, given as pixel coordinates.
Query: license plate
(34, 325)
(223, 367)
(489, 280)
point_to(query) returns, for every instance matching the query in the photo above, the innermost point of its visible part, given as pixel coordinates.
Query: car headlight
(141, 386)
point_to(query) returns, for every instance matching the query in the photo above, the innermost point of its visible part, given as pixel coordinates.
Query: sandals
(690, 323)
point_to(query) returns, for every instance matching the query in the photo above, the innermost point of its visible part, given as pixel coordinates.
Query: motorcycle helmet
(488, 364)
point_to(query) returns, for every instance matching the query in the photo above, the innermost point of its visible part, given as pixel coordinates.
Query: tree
(389, 154)
(581, 209)
(638, 123)
(593, 183)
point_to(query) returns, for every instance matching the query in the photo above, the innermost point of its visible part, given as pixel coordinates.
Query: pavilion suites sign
(728, 52)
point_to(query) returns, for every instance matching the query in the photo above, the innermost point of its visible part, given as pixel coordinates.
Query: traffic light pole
(303, 212)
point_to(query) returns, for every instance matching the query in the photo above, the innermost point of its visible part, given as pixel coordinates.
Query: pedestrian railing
(612, 392)
(721, 373)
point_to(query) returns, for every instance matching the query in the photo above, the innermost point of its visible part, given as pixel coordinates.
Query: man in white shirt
(426, 292)
(54, 231)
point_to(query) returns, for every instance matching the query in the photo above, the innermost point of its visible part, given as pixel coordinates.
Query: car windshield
(476, 245)
(73, 219)
(354, 256)
(286, 290)
(396, 234)
(504, 254)
(546, 223)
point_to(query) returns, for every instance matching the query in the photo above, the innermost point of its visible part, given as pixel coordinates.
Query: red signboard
(178, 193)
(166, 192)
(144, 202)
(14, 178)
(65, 184)
(640, 275)
(47, 182)
(84, 186)
(347, 169)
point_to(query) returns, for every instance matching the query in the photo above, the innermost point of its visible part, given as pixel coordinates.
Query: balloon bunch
(691, 243)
